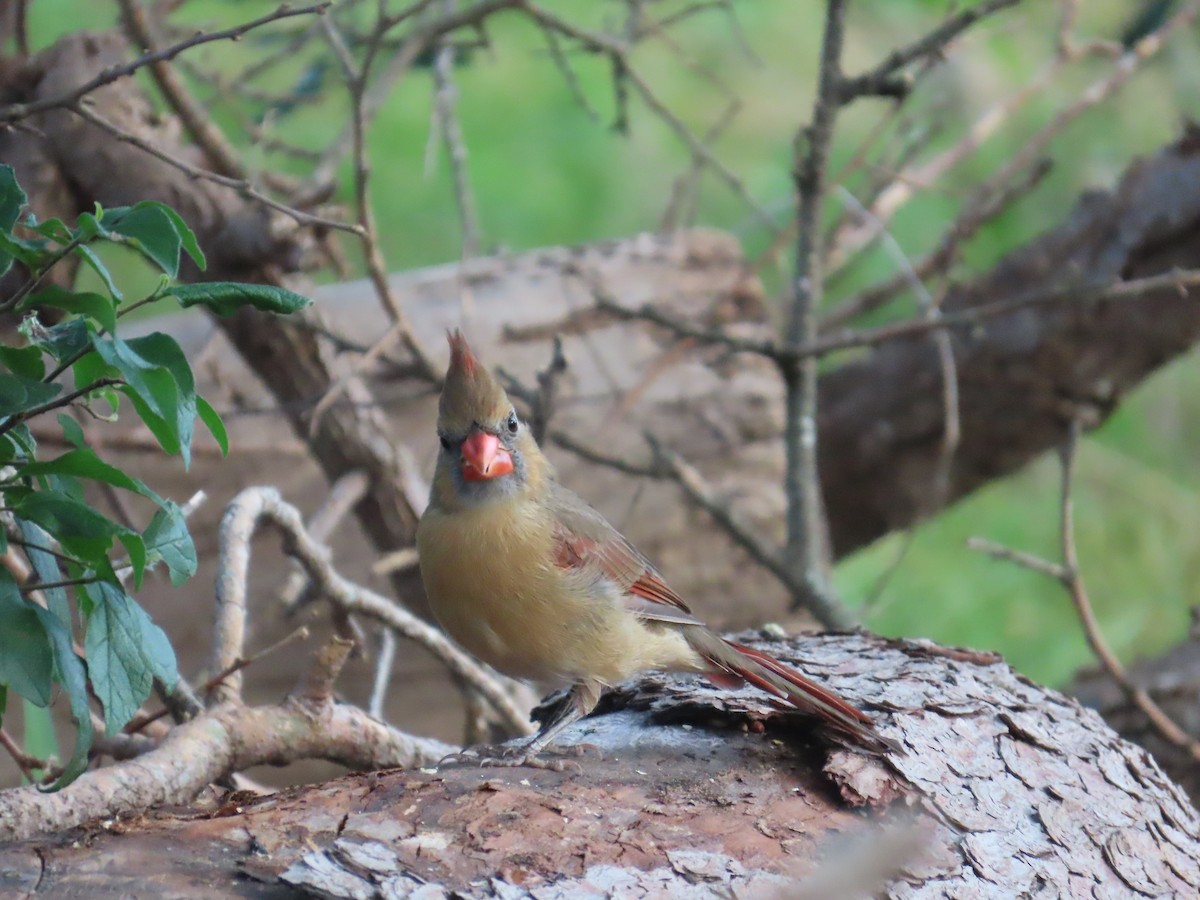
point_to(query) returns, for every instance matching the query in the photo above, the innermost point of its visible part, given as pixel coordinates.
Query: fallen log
(1005, 789)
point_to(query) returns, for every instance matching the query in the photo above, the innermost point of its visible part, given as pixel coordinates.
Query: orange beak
(484, 458)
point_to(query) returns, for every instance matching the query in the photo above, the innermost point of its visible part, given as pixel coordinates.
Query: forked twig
(1068, 574)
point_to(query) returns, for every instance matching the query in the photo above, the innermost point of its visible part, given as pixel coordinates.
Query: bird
(529, 578)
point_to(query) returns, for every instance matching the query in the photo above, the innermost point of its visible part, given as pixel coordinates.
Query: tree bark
(1025, 376)
(1005, 789)
(1173, 680)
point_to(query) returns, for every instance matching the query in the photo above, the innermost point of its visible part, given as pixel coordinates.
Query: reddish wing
(586, 543)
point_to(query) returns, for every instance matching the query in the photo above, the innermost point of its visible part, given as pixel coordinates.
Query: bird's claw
(506, 757)
(581, 750)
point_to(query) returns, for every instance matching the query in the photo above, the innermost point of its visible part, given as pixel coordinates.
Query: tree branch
(16, 111)
(805, 552)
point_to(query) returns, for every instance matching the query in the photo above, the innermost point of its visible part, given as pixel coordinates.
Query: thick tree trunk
(1005, 789)
(1022, 377)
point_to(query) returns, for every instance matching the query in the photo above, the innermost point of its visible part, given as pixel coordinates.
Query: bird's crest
(470, 395)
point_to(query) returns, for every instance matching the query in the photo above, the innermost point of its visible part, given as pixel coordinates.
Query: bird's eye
(513, 423)
(445, 441)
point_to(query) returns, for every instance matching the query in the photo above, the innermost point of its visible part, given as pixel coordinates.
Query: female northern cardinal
(529, 578)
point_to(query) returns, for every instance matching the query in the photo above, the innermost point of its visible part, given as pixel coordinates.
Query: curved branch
(254, 505)
(224, 740)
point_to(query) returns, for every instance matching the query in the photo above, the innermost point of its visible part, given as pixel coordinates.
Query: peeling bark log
(1014, 790)
(1173, 680)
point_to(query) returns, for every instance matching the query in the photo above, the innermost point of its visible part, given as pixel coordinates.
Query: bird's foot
(581, 750)
(507, 757)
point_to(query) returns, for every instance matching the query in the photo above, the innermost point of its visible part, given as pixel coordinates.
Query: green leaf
(165, 431)
(18, 444)
(97, 265)
(126, 651)
(27, 362)
(88, 228)
(12, 201)
(84, 463)
(90, 368)
(151, 387)
(163, 350)
(136, 548)
(225, 297)
(72, 431)
(158, 650)
(39, 738)
(18, 394)
(213, 423)
(10, 450)
(32, 253)
(167, 538)
(186, 236)
(55, 229)
(70, 672)
(26, 661)
(3, 702)
(62, 341)
(12, 198)
(45, 564)
(86, 303)
(149, 230)
(82, 531)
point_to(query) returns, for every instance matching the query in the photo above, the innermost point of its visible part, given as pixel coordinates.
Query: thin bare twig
(242, 186)
(890, 200)
(976, 213)
(445, 103)
(951, 419)
(1020, 557)
(882, 79)
(1069, 575)
(356, 80)
(617, 52)
(1131, 289)
(384, 661)
(299, 634)
(849, 339)
(698, 491)
(15, 111)
(29, 765)
(542, 401)
(402, 560)
(198, 123)
(805, 548)
(343, 496)
(67, 399)
(255, 505)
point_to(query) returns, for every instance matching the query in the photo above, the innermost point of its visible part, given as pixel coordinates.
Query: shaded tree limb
(224, 739)
(1025, 373)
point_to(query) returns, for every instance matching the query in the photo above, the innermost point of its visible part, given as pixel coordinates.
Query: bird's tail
(734, 664)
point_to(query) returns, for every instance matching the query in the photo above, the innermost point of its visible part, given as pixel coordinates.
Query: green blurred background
(545, 172)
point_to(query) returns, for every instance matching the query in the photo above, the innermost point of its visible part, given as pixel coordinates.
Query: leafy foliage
(81, 559)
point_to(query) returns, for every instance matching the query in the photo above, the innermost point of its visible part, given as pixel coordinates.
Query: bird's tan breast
(493, 585)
